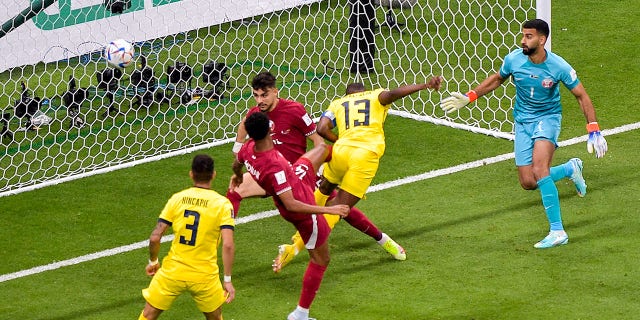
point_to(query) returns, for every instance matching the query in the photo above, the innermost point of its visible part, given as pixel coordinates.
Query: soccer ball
(119, 53)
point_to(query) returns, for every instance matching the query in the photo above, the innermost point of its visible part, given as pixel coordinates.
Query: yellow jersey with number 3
(196, 215)
(360, 118)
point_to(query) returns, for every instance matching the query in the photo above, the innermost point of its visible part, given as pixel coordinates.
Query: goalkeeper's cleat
(553, 239)
(286, 252)
(576, 177)
(394, 249)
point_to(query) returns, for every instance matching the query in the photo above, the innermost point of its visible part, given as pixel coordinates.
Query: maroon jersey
(291, 127)
(276, 175)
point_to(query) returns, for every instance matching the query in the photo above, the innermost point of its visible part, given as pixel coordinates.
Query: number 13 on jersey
(356, 113)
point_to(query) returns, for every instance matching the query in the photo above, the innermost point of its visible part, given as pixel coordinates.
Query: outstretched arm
(458, 100)
(389, 96)
(489, 84)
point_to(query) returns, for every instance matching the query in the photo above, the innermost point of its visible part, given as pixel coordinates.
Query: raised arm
(458, 100)
(389, 96)
(241, 137)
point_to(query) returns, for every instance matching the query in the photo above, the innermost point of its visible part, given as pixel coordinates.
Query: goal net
(66, 113)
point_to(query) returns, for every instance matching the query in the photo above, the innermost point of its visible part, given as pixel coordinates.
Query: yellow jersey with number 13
(360, 118)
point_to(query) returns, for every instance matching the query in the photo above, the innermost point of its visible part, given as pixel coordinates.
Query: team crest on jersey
(547, 83)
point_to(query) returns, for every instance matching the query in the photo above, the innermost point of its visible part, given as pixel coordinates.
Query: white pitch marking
(271, 213)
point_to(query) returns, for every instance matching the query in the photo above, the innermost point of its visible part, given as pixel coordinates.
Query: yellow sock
(297, 242)
(141, 317)
(332, 219)
(321, 198)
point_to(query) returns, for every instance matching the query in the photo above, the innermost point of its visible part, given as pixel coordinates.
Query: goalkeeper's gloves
(596, 141)
(457, 100)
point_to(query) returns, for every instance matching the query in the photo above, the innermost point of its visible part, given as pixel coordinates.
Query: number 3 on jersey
(356, 113)
(193, 227)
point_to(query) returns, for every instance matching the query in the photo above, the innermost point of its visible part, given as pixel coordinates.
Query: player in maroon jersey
(292, 126)
(291, 186)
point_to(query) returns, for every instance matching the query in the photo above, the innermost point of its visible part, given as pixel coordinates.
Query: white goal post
(66, 114)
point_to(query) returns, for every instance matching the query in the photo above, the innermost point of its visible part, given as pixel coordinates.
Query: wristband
(236, 147)
(227, 278)
(592, 126)
(153, 263)
(472, 95)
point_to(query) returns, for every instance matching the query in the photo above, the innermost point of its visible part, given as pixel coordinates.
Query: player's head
(257, 125)
(202, 168)
(534, 35)
(355, 87)
(265, 91)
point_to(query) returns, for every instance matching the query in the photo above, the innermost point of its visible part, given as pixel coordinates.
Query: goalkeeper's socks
(551, 202)
(561, 171)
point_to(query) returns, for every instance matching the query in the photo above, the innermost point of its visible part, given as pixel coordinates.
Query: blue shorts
(527, 133)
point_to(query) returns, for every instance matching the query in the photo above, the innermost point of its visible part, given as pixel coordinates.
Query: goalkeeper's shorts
(527, 133)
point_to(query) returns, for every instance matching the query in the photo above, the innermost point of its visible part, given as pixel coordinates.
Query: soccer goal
(67, 113)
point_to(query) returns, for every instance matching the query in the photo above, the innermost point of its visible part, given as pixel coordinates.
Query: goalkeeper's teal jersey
(537, 90)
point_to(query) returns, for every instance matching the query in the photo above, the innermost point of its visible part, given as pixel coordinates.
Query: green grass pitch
(469, 235)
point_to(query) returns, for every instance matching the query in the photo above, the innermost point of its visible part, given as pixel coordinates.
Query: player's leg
(571, 169)
(316, 156)
(319, 259)
(248, 188)
(313, 275)
(159, 296)
(209, 297)
(215, 315)
(150, 312)
(354, 184)
(286, 252)
(545, 135)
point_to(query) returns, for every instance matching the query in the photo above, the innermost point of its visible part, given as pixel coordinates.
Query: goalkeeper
(537, 112)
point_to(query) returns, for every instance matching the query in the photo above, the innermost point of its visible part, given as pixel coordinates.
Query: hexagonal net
(68, 113)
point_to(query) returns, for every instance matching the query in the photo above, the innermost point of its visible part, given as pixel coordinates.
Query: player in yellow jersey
(358, 147)
(200, 218)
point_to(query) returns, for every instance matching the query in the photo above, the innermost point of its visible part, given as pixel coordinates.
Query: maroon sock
(330, 155)
(359, 220)
(310, 284)
(235, 199)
